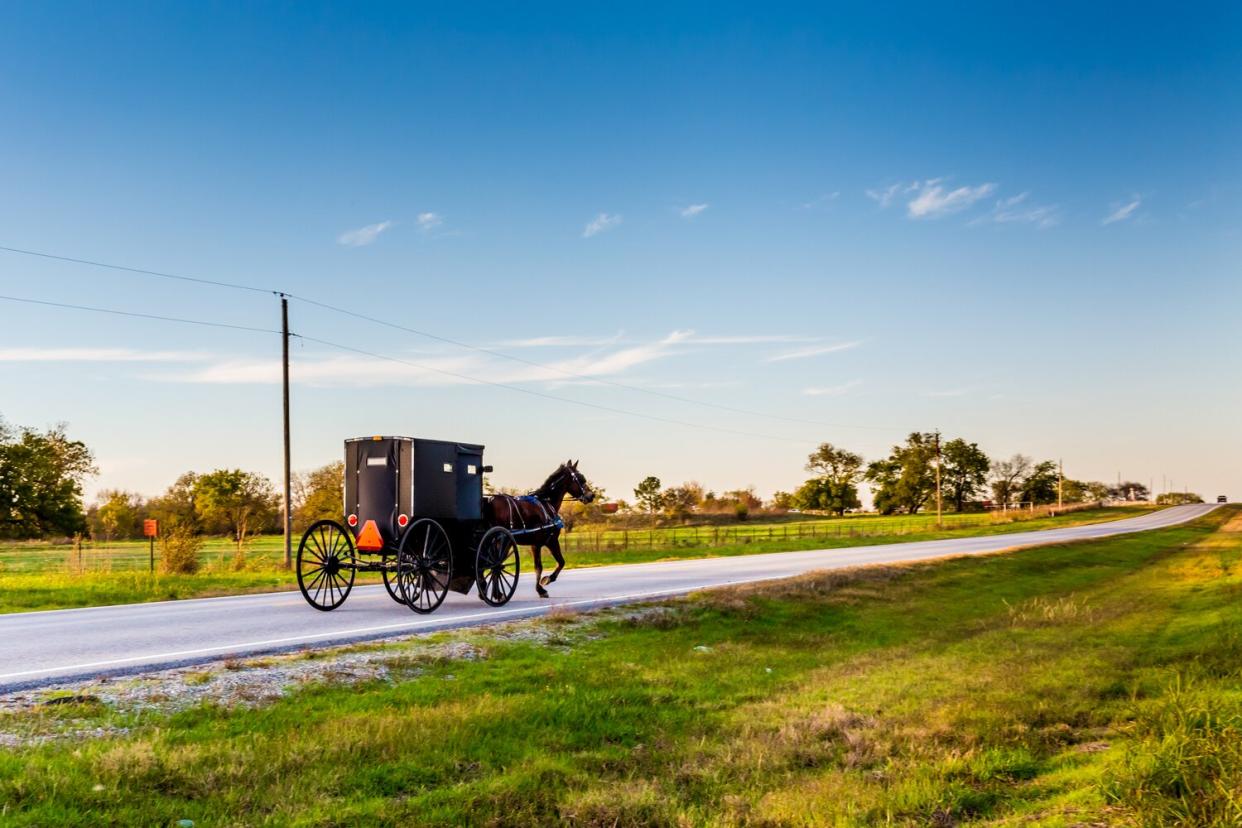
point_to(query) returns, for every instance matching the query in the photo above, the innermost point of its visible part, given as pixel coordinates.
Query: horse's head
(576, 485)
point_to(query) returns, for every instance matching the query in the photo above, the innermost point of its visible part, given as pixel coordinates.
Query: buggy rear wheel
(390, 583)
(424, 565)
(496, 566)
(326, 565)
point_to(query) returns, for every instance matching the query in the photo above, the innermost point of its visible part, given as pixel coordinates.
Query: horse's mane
(546, 488)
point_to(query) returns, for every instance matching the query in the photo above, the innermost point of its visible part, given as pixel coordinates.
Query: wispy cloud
(1016, 210)
(821, 200)
(429, 221)
(933, 200)
(363, 235)
(885, 196)
(693, 210)
(605, 358)
(560, 341)
(814, 350)
(1122, 210)
(832, 390)
(602, 222)
(96, 355)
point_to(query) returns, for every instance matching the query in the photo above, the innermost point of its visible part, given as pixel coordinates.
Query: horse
(535, 519)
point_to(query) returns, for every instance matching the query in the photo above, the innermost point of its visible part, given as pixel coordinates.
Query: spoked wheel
(390, 583)
(424, 565)
(496, 566)
(326, 565)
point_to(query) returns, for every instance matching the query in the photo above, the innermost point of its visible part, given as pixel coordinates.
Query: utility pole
(1060, 483)
(287, 526)
(939, 499)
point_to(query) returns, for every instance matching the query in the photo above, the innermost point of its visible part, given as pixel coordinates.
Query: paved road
(39, 648)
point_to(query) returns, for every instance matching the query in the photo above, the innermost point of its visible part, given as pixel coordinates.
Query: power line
(137, 315)
(138, 270)
(532, 392)
(448, 340)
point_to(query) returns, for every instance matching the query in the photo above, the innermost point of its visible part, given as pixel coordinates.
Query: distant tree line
(905, 480)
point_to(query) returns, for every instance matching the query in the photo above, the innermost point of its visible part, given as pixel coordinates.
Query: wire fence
(266, 551)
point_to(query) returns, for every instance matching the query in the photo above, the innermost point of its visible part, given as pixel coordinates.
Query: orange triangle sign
(369, 539)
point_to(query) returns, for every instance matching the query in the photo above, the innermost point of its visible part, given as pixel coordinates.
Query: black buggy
(413, 513)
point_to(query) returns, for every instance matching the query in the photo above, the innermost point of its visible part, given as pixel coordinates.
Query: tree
(679, 501)
(1007, 477)
(1178, 498)
(176, 506)
(117, 514)
(834, 489)
(41, 477)
(1040, 484)
(964, 471)
(1129, 490)
(319, 494)
(823, 494)
(784, 501)
(236, 500)
(907, 477)
(650, 498)
(835, 464)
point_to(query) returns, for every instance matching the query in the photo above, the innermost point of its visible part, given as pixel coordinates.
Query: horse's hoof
(543, 593)
(544, 581)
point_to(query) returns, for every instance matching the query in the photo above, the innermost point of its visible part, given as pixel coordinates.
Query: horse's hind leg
(554, 546)
(538, 550)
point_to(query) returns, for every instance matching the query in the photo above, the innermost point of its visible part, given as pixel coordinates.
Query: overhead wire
(447, 340)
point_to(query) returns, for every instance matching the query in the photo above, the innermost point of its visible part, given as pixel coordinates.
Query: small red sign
(150, 528)
(611, 508)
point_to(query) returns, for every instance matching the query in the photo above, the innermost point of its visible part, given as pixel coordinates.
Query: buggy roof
(380, 438)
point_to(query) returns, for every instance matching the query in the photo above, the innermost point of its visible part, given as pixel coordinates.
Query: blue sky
(1019, 228)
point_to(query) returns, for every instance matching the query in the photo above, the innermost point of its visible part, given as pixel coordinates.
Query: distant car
(1222, 499)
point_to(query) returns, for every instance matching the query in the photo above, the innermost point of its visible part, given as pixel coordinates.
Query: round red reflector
(352, 520)
(402, 520)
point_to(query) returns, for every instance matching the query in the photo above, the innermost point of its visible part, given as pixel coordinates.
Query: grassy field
(40, 576)
(1085, 684)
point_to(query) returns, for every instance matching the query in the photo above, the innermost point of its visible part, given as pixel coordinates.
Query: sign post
(151, 528)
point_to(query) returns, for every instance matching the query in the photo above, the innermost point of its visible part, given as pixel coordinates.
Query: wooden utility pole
(287, 525)
(939, 499)
(1060, 483)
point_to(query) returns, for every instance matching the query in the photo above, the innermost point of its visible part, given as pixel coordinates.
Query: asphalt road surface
(40, 648)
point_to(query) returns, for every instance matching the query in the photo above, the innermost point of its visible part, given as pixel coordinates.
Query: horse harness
(553, 519)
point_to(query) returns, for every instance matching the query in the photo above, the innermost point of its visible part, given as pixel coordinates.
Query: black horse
(535, 519)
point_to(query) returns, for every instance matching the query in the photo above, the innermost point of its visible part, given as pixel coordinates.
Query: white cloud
(560, 341)
(600, 223)
(96, 355)
(1120, 211)
(429, 221)
(885, 196)
(363, 235)
(933, 200)
(832, 390)
(814, 350)
(823, 199)
(693, 210)
(1016, 210)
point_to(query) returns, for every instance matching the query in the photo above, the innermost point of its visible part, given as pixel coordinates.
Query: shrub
(179, 550)
(741, 511)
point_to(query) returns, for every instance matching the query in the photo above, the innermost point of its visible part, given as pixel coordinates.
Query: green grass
(41, 576)
(1090, 683)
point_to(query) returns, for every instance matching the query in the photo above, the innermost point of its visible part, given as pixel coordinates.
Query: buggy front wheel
(424, 565)
(326, 565)
(496, 566)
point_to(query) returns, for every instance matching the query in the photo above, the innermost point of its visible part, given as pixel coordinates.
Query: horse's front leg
(537, 550)
(554, 546)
